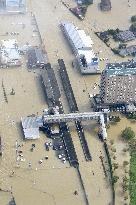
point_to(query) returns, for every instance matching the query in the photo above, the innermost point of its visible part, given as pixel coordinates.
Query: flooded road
(52, 182)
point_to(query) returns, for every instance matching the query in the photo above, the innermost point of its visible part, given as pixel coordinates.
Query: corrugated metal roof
(50, 83)
(78, 37)
(31, 127)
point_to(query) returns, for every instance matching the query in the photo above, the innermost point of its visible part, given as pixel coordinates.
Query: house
(125, 36)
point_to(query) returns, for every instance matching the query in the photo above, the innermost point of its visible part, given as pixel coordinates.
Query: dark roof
(50, 83)
(12, 202)
(130, 50)
(35, 57)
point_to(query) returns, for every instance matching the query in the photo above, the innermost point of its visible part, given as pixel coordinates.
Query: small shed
(105, 5)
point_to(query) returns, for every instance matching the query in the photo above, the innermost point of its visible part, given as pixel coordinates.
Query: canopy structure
(31, 127)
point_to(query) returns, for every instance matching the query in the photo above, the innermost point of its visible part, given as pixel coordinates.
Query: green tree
(115, 166)
(133, 27)
(114, 157)
(111, 142)
(125, 179)
(125, 187)
(115, 51)
(116, 119)
(133, 18)
(125, 149)
(126, 196)
(125, 163)
(127, 134)
(115, 179)
(113, 149)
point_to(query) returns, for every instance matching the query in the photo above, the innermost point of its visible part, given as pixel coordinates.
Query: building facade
(118, 83)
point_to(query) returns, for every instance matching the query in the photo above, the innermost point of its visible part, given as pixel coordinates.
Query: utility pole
(1, 151)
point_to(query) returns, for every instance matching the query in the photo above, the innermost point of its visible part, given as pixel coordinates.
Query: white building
(82, 47)
(9, 53)
(13, 6)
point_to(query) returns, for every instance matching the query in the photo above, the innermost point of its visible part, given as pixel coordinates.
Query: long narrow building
(81, 45)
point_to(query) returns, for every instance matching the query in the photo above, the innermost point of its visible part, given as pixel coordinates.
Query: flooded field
(52, 182)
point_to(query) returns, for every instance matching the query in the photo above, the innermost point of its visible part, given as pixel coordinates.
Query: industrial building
(82, 47)
(36, 58)
(105, 5)
(50, 84)
(118, 83)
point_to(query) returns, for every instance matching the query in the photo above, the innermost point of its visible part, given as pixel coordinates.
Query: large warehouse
(82, 47)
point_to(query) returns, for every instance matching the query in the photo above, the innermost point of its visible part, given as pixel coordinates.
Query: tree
(115, 166)
(127, 134)
(125, 179)
(126, 196)
(113, 149)
(115, 51)
(125, 163)
(115, 179)
(133, 27)
(125, 149)
(111, 142)
(116, 119)
(125, 187)
(133, 18)
(114, 157)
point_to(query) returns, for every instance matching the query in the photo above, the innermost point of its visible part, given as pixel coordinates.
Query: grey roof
(130, 50)
(39, 55)
(36, 57)
(76, 37)
(125, 36)
(50, 83)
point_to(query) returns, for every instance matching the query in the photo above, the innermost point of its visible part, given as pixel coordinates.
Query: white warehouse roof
(77, 36)
(31, 127)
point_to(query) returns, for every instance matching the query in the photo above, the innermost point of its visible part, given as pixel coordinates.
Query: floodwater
(53, 182)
